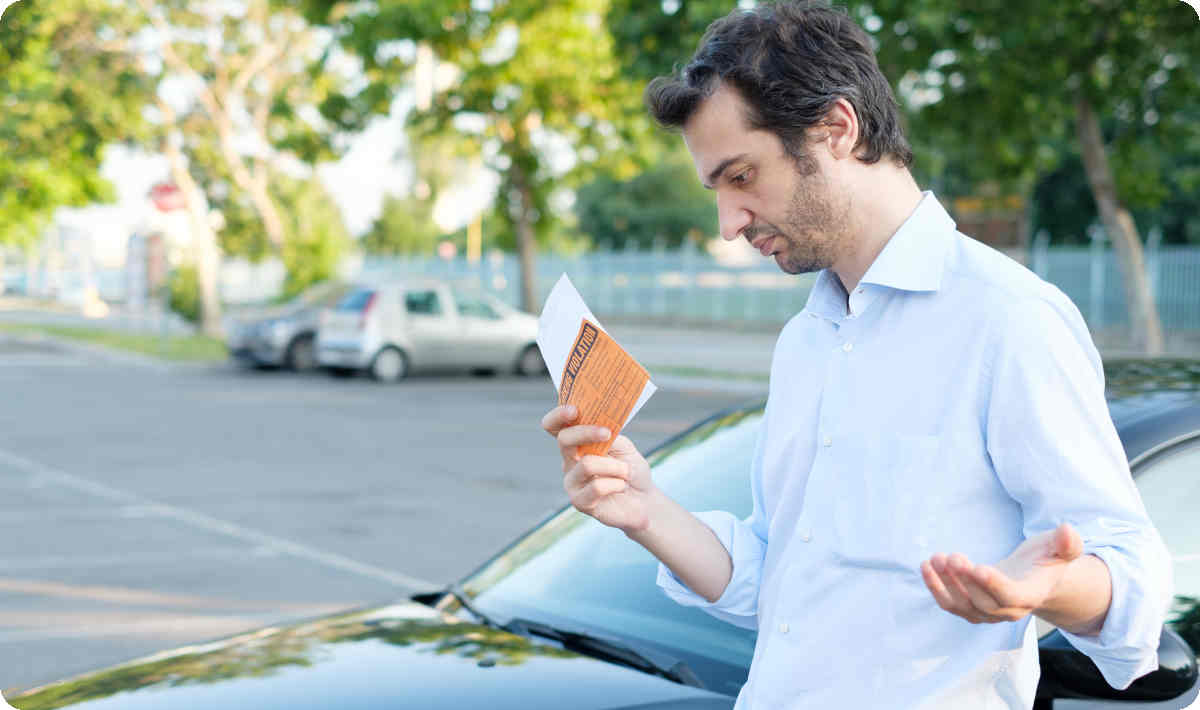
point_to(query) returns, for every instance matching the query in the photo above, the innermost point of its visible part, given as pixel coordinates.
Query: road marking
(46, 562)
(25, 627)
(211, 524)
(132, 596)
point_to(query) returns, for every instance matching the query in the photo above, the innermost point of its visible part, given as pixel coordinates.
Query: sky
(375, 164)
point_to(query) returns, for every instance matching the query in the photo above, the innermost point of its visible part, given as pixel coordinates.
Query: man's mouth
(764, 245)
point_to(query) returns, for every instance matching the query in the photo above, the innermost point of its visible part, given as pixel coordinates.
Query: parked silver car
(283, 335)
(392, 329)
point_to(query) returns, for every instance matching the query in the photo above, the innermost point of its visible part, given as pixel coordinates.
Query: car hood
(400, 656)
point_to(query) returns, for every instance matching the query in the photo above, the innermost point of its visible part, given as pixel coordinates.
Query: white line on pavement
(206, 522)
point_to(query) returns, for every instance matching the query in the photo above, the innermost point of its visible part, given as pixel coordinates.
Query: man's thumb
(1067, 543)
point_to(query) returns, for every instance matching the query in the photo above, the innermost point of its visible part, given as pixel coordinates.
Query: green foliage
(316, 235)
(183, 292)
(653, 41)
(1186, 619)
(988, 89)
(404, 226)
(663, 205)
(531, 73)
(67, 92)
(1002, 79)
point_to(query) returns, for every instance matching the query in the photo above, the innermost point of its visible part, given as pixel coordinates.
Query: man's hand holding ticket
(590, 370)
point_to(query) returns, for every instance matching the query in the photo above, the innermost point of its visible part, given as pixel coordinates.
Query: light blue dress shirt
(957, 405)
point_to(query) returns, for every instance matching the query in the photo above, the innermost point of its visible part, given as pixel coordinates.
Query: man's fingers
(596, 490)
(936, 587)
(960, 599)
(1000, 588)
(582, 434)
(591, 467)
(1068, 544)
(622, 446)
(559, 418)
(571, 438)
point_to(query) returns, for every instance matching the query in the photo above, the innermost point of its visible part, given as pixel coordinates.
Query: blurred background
(175, 174)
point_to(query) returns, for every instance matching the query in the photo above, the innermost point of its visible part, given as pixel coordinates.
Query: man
(932, 397)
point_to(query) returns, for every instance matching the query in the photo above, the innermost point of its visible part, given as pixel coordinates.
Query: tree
(256, 77)
(68, 92)
(1041, 75)
(315, 235)
(1003, 87)
(404, 226)
(538, 96)
(663, 205)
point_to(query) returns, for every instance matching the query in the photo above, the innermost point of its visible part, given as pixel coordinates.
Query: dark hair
(790, 62)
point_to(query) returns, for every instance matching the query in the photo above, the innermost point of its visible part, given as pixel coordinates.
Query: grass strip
(179, 348)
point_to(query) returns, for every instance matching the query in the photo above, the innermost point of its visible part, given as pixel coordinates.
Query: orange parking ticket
(602, 381)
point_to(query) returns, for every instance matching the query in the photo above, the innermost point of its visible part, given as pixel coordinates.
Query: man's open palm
(1009, 590)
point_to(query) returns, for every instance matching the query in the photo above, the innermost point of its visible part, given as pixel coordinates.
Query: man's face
(785, 208)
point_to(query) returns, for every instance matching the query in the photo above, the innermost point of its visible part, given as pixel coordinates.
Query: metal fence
(685, 286)
(690, 286)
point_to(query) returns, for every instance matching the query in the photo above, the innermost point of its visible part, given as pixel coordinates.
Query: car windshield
(572, 571)
(323, 294)
(356, 301)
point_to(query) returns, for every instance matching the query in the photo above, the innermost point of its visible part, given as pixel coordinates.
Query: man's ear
(841, 129)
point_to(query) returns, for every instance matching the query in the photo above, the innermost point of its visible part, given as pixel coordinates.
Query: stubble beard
(813, 229)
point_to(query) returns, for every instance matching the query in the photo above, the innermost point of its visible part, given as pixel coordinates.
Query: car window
(1170, 488)
(356, 300)
(575, 572)
(424, 303)
(474, 306)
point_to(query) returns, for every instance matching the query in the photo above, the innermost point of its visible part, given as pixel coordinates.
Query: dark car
(283, 335)
(569, 614)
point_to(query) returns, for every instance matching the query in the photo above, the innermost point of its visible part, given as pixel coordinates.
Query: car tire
(301, 354)
(389, 365)
(530, 362)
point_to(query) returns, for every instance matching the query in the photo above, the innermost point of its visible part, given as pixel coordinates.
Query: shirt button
(783, 628)
(806, 535)
(828, 441)
(847, 346)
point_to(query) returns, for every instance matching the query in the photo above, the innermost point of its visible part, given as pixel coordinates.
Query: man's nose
(732, 216)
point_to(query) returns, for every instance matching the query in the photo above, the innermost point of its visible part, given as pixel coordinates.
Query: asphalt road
(143, 508)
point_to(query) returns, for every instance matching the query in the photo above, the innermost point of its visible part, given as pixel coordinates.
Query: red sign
(167, 197)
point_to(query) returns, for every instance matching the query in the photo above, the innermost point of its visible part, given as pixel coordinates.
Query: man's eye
(741, 178)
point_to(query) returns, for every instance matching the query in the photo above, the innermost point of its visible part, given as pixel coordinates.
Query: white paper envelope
(557, 327)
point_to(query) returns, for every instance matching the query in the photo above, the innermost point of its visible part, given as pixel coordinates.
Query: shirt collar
(912, 260)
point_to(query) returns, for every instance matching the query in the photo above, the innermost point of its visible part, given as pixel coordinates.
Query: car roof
(1153, 402)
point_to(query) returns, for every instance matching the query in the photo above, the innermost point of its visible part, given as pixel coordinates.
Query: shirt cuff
(738, 604)
(1127, 646)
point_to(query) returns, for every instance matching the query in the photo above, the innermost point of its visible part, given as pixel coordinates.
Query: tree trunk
(1145, 326)
(204, 243)
(526, 246)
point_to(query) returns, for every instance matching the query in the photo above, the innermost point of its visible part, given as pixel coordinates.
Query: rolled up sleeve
(746, 542)
(1056, 451)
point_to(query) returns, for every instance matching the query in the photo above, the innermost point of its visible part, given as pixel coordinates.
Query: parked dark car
(569, 614)
(283, 335)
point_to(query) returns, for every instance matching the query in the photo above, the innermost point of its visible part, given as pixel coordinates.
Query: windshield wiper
(644, 659)
(460, 595)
